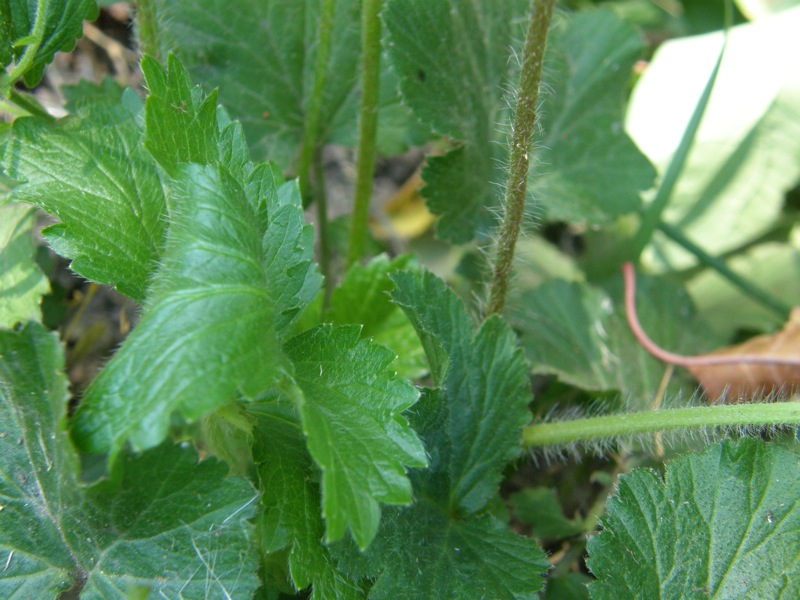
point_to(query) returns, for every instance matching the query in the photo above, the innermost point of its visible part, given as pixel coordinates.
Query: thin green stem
(147, 28)
(700, 417)
(747, 287)
(651, 218)
(314, 109)
(13, 109)
(368, 126)
(524, 124)
(33, 42)
(322, 223)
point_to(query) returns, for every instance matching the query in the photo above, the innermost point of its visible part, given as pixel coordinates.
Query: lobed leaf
(92, 173)
(22, 284)
(354, 425)
(187, 536)
(227, 289)
(181, 126)
(724, 523)
(484, 383)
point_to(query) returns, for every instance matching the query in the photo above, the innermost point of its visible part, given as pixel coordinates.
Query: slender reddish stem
(677, 359)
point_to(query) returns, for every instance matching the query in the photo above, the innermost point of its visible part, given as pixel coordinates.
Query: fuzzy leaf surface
(363, 298)
(92, 173)
(22, 284)
(463, 98)
(291, 518)
(181, 126)
(355, 429)
(232, 278)
(187, 536)
(429, 555)
(61, 25)
(722, 524)
(485, 388)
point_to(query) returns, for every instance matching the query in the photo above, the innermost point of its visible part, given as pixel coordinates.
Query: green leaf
(91, 172)
(485, 389)
(588, 170)
(540, 509)
(423, 553)
(579, 332)
(22, 284)
(55, 30)
(181, 126)
(233, 277)
(723, 524)
(291, 518)
(363, 298)
(746, 153)
(188, 537)
(265, 72)
(463, 98)
(355, 429)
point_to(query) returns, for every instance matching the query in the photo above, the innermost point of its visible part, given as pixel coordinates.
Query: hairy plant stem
(313, 111)
(522, 134)
(698, 417)
(147, 28)
(367, 126)
(321, 199)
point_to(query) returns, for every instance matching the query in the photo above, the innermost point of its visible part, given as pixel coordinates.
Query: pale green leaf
(485, 390)
(776, 269)
(92, 173)
(22, 284)
(60, 24)
(187, 537)
(747, 150)
(585, 166)
(363, 298)
(355, 429)
(232, 279)
(579, 332)
(721, 524)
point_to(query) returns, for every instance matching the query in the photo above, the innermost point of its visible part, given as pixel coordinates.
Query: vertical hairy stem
(524, 123)
(147, 28)
(699, 417)
(314, 109)
(322, 224)
(368, 125)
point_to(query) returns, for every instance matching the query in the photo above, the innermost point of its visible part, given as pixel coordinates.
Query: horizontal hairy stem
(700, 417)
